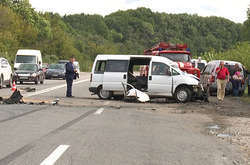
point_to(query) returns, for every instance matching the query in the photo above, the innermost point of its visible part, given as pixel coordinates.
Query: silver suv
(5, 73)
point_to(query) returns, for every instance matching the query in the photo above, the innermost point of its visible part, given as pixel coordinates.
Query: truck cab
(178, 53)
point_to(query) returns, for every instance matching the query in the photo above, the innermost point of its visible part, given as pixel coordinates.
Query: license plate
(55, 75)
(23, 78)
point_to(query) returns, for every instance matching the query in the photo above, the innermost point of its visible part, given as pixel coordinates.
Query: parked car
(199, 63)
(63, 62)
(5, 73)
(55, 71)
(164, 78)
(208, 75)
(28, 56)
(77, 67)
(29, 73)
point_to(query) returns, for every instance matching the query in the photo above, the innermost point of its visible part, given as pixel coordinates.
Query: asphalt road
(87, 131)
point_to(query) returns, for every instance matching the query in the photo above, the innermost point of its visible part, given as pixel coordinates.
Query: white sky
(234, 10)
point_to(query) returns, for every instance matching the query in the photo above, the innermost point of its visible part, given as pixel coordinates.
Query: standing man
(70, 74)
(222, 79)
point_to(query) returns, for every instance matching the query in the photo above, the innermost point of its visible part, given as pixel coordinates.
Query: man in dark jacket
(70, 74)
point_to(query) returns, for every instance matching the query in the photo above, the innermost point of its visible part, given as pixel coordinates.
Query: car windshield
(25, 59)
(177, 57)
(27, 67)
(57, 66)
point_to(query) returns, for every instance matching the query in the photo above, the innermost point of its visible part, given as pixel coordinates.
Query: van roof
(127, 57)
(226, 62)
(28, 52)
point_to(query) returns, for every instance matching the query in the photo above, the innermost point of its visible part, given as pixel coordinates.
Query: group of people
(223, 76)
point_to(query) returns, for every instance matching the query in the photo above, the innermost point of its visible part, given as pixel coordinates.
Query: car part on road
(134, 93)
(15, 98)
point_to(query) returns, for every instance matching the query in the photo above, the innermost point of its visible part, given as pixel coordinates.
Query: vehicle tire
(183, 94)
(36, 81)
(10, 82)
(103, 94)
(1, 82)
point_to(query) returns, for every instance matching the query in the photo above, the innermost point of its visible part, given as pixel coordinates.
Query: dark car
(208, 76)
(63, 62)
(29, 73)
(55, 71)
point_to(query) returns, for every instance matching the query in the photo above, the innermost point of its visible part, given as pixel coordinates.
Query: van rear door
(116, 72)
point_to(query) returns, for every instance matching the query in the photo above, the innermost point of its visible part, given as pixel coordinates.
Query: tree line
(123, 32)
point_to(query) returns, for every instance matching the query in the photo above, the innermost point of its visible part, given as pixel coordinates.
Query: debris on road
(221, 135)
(140, 96)
(28, 89)
(15, 98)
(55, 102)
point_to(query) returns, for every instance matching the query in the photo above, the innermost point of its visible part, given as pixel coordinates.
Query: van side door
(116, 72)
(160, 79)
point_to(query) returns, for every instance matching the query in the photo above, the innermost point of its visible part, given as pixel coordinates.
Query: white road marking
(99, 111)
(52, 88)
(55, 155)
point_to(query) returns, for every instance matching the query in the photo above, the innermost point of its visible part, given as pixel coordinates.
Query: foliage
(123, 32)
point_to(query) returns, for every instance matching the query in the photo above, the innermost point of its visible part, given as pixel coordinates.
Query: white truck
(5, 73)
(164, 78)
(28, 56)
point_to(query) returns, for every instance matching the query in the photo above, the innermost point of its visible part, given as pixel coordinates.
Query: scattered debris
(221, 135)
(214, 127)
(141, 96)
(15, 98)
(55, 102)
(29, 89)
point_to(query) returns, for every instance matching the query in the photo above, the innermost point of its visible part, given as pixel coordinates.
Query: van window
(159, 68)
(100, 67)
(117, 66)
(25, 59)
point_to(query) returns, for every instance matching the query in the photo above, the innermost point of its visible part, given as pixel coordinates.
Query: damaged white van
(162, 78)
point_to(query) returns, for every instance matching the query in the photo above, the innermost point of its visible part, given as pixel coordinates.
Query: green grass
(245, 97)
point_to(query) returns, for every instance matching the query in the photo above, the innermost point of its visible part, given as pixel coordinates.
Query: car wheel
(10, 82)
(1, 82)
(183, 94)
(36, 81)
(102, 94)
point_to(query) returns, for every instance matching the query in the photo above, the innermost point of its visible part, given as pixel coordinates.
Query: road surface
(87, 131)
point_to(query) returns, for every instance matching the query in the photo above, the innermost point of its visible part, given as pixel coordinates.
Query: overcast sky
(234, 10)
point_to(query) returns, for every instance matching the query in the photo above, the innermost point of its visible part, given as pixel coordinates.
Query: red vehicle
(177, 53)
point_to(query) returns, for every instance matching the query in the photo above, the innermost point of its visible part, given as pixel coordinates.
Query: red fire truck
(175, 52)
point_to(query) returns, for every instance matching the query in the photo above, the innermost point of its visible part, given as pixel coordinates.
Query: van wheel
(1, 82)
(103, 94)
(183, 94)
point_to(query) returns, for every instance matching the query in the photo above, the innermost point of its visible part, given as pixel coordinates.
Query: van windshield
(177, 57)
(25, 59)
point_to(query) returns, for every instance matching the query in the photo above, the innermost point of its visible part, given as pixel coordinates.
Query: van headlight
(195, 88)
(33, 74)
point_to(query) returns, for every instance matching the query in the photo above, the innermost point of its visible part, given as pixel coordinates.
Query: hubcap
(182, 95)
(104, 94)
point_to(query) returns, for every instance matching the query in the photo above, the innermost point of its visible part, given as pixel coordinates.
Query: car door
(116, 72)
(160, 79)
(97, 77)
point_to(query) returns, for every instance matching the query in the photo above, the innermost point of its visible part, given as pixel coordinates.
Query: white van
(163, 79)
(24, 56)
